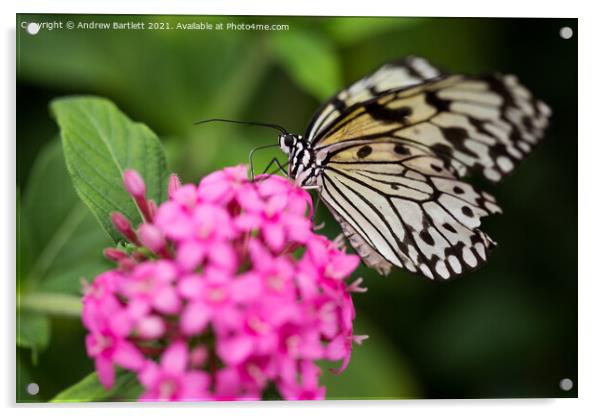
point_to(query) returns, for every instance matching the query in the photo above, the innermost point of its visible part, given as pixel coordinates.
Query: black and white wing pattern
(408, 210)
(394, 75)
(392, 169)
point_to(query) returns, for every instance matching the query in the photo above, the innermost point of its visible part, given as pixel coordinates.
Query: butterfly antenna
(249, 123)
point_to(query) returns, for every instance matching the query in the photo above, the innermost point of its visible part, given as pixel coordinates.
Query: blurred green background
(506, 330)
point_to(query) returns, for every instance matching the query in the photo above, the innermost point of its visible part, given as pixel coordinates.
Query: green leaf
(310, 60)
(47, 200)
(59, 240)
(100, 143)
(33, 332)
(348, 30)
(376, 370)
(89, 389)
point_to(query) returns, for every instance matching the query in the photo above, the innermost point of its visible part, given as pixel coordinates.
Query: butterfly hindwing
(411, 210)
(369, 255)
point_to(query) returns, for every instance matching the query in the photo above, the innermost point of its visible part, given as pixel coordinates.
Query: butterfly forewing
(486, 125)
(392, 76)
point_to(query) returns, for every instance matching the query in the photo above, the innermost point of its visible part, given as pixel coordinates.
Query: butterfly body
(387, 155)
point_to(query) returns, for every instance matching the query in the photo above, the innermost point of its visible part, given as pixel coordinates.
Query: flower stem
(57, 304)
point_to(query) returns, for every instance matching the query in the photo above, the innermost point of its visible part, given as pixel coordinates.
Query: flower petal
(149, 374)
(128, 356)
(235, 349)
(194, 386)
(175, 358)
(249, 199)
(105, 371)
(166, 300)
(195, 318)
(190, 254)
(191, 286)
(223, 255)
(273, 233)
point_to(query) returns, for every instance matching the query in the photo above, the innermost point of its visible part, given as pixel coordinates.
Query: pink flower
(109, 348)
(264, 210)
(307, 388)
(274, 275)
(328, 261)
(150, 286)
(222, 291)
(108, 325)
(171, 379)
(211, 297)
(224, 185)
(230, 384)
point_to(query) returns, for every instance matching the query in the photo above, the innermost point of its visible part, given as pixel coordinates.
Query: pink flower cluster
(222, 292)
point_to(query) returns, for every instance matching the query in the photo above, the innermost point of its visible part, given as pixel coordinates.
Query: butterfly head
(289, 142)
(301, 160)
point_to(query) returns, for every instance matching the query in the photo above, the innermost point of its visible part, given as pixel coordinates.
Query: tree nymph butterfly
(388, 153)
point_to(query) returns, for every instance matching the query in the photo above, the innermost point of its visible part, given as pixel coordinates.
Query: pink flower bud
(173, 185)
(138, 256)
(151, 237)
(127, 264)
(135, 186)
(152, 209)
(122, 224)
(114, 254)
(134, 183)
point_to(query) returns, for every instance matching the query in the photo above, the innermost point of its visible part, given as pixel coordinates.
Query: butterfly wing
(480, 124)
(392, 169)
(395, 75)
(409, 209)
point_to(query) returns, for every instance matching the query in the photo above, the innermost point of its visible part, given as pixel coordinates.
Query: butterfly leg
(280, 167)
(252, 152)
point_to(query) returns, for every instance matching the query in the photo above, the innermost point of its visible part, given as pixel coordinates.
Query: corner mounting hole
(33, 389)
(33, 28)
(566, 384)
(566, 32)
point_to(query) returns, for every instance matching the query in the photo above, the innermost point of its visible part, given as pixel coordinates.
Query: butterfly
(388, 154)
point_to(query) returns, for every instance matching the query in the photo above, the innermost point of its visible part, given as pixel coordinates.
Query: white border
(590, 218)
(467, 8)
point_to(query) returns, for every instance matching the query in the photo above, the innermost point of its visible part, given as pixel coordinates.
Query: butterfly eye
(289, 141)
